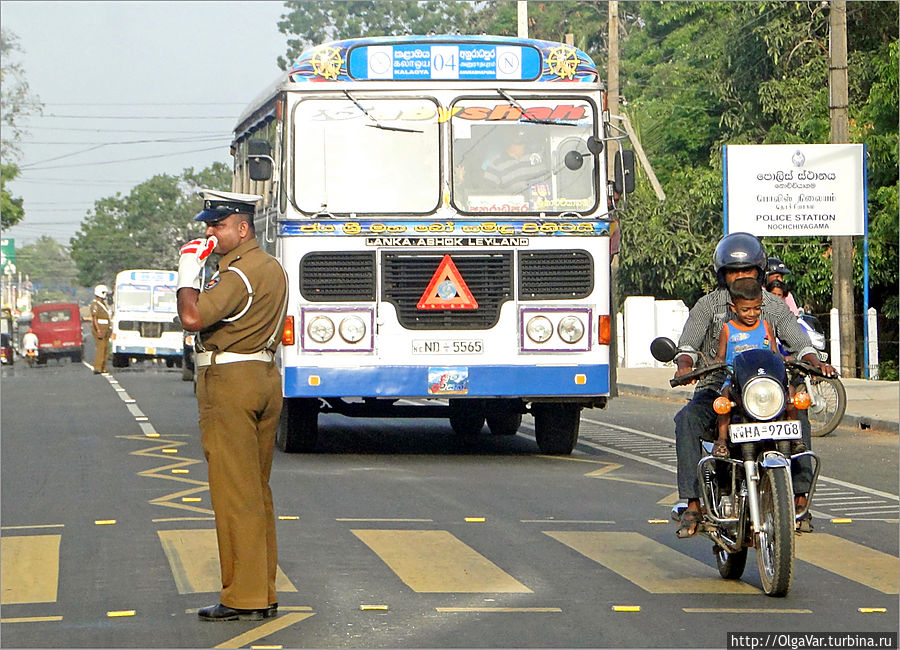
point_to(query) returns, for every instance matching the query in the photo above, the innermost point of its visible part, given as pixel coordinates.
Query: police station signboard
(795, 190)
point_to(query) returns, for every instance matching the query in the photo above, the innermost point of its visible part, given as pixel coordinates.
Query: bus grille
(489, 276)
(555, 275)
(147, 329)
(337, 276)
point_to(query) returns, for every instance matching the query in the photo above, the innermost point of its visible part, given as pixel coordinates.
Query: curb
(858, 422)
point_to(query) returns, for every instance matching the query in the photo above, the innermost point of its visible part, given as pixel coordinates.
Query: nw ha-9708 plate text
(755, 431)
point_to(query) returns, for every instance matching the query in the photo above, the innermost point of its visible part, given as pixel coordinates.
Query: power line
(133, 117)
(111, 162)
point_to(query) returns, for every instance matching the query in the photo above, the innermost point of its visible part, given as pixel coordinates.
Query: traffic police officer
(239, 317)
(101, 327)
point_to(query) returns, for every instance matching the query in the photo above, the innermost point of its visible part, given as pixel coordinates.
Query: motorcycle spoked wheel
(829, 405)
(775, 543)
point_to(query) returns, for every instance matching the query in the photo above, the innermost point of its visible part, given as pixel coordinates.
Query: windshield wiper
(377, 124)
(527, 118)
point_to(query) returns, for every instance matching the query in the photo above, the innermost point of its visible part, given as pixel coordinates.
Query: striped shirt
(704, 325)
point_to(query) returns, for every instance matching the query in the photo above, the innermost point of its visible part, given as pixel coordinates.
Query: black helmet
(777, 266)
(739, 250)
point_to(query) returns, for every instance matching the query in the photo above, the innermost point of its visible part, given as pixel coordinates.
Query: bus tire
(298, 427)
(467, 416)
(502, 417)
(556, 427)
(120, 360)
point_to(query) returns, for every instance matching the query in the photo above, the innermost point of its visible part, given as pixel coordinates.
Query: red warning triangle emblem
(447, 289)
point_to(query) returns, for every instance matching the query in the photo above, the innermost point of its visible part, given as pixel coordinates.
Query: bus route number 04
(445, 62)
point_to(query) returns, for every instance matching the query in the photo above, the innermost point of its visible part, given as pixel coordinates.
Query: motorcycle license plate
(756, 431)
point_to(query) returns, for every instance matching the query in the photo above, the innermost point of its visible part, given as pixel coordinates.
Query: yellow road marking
(652, 566)
(657, 521)
(366, 608)
(193, 556)
(475, 520)
(265, 629)
(29, 565)
(32, 526)
(31, 619)
(389, 519)
(851, 560)
(567, 521)
(500, 610)
(742, 610)
(288, 517)
(120, 613)
(842, 521)
(167, 519)
(104, 522)
(626, 608)
(872, 610)
(670, 500)
(434, 561)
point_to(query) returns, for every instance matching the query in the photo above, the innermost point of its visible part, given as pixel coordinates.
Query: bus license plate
(447, 346)
(756, 431)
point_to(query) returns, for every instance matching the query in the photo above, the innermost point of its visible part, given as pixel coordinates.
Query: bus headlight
(539, 329)
(320, 329)
(763, 398)
(352, 329)
(570, 329)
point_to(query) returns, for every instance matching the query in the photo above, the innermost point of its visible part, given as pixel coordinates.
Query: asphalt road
(397, 533)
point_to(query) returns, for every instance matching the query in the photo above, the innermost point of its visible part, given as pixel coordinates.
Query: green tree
(48, 265)
(16, 102)
(144, 229)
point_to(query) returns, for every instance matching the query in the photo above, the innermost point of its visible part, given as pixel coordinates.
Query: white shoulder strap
(284, 305)
(242, 276)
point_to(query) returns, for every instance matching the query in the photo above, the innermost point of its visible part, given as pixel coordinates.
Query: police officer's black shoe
(222, 612)
(271, 611)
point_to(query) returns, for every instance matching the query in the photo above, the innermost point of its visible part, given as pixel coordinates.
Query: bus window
(503, 163)
(133, 297)
(164, 299)
(348, 161)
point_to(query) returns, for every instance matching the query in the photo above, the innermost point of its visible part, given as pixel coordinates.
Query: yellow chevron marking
(167, 472)
(29, 565)
(264, 630)
(652, 566)
(193, 556)
(850, 560)
(670, 500)
(434, 561)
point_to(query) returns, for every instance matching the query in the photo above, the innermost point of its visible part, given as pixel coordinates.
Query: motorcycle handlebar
(697, 374)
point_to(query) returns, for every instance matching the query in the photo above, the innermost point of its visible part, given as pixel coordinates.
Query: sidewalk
(870, 404)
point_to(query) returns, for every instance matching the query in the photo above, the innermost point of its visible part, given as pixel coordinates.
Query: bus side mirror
(624, 172)
(259, 155)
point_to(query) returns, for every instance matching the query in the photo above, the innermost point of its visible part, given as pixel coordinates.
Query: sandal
(689, 519)
(804, 524)
(720, 449)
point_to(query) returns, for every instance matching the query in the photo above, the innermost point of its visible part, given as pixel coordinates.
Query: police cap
(218, 205)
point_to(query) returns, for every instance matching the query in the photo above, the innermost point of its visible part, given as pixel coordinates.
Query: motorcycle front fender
(772, 459)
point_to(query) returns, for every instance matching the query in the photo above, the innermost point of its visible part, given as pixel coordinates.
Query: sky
(115, 78)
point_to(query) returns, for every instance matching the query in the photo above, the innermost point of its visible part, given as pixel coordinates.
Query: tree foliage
(144, 229)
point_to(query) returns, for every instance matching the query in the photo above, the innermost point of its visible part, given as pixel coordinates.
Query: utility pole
(612, 103)
(841, 247)
(522, 18)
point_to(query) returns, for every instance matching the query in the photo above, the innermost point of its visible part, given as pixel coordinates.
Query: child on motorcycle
(747, 331)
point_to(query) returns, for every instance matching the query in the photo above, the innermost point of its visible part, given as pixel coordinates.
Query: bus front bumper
(448, 381)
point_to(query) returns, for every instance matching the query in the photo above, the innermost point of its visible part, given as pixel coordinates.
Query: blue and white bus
(142, 324)
(442, 209)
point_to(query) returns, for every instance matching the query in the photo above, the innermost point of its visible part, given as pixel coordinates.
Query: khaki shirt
(101, 315)
(226, 295)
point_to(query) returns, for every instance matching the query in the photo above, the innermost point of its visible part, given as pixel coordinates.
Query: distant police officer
(101, 327)
(239, 317)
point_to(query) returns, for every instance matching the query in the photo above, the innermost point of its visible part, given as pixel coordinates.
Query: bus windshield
(367, 155)
(133, 297)
(507, 162)
(164, 299)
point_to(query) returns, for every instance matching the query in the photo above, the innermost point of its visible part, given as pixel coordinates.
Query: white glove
(193, 255)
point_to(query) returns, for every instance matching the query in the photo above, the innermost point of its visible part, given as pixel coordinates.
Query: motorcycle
(747, 499)
(829, 398)
(31, 356)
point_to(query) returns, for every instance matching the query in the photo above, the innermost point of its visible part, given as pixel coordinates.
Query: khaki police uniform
(239, 399)
(101, 317)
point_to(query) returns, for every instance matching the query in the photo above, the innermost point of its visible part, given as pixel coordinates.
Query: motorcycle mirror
(594, 145)
(663, 349)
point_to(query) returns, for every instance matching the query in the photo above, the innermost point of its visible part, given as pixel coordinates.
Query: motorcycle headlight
(539, 329)
(352, 329)
(320, 329)
(570, 329)
(763, 398)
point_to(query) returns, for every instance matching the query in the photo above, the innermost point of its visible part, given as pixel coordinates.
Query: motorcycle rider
(737, 255)
(775, 271)
(30, 344)
(101, 327)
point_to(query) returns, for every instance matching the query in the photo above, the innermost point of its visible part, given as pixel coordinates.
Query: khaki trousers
(101, 353)
(239, 405)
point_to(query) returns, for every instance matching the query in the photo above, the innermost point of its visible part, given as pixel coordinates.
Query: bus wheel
(556, 427)
(502, 417)
(298, 427)
(120, 360)
(467, 416)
